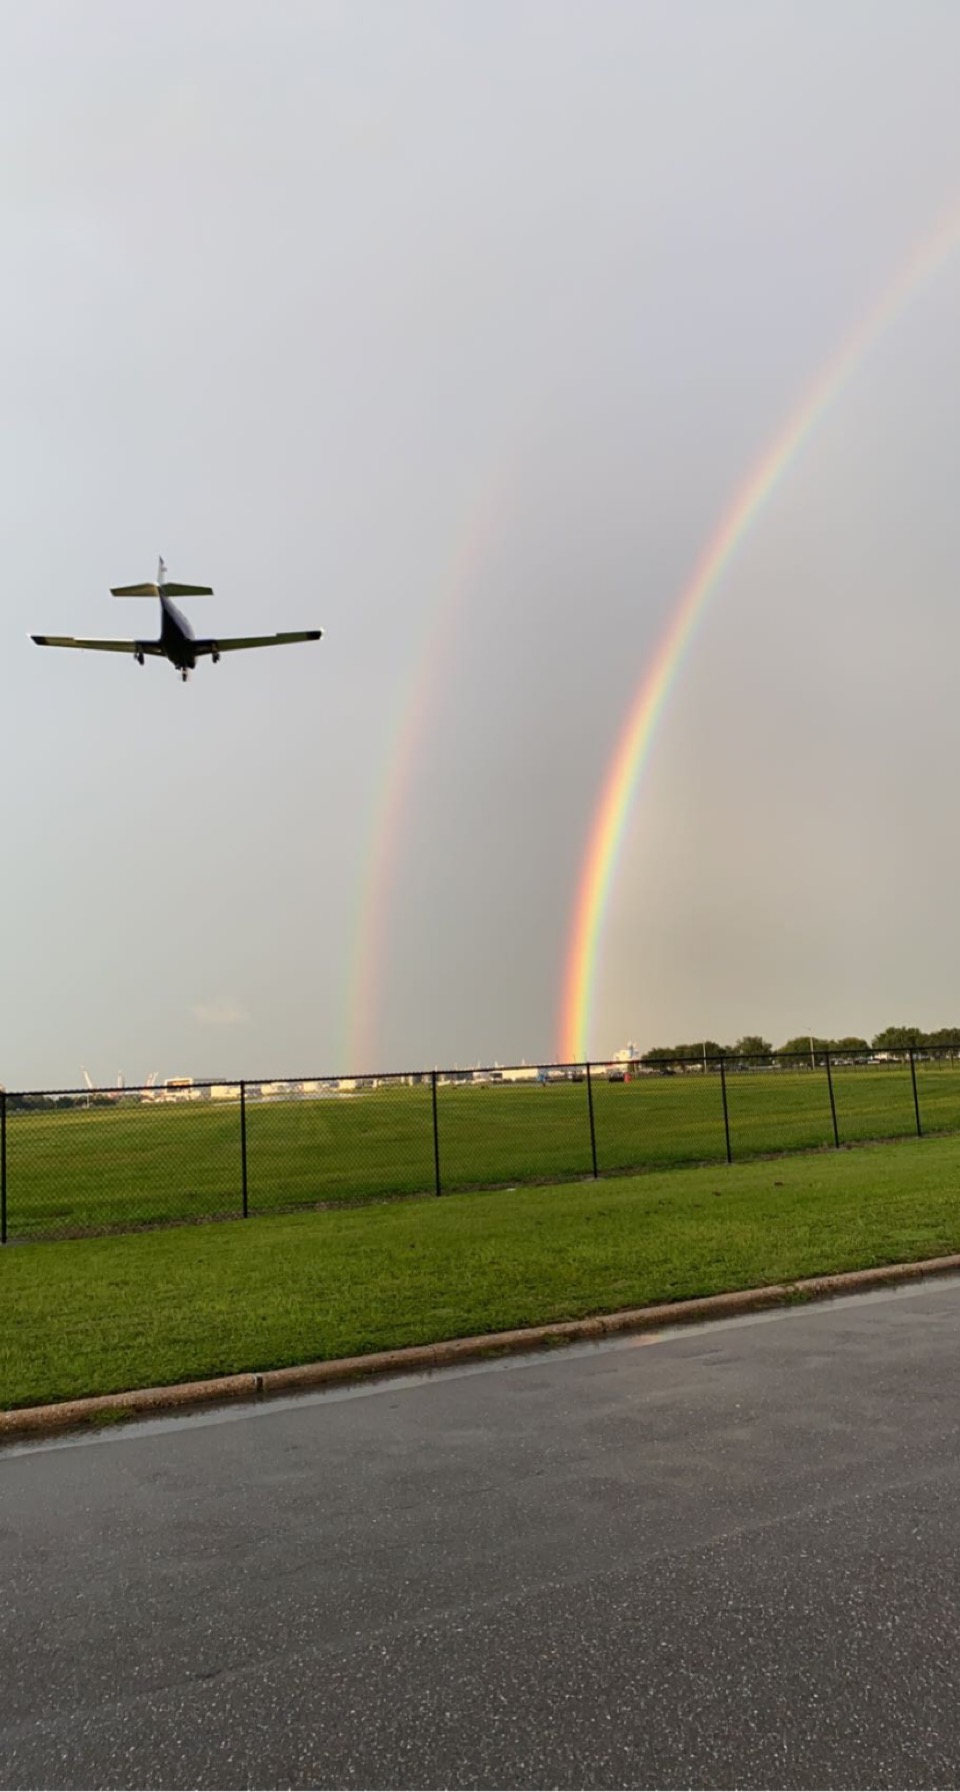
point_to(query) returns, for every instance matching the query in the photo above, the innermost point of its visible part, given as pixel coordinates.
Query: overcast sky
(453, 329)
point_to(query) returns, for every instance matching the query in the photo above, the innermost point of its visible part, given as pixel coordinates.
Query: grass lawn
(101, 1314)
(100, 1169)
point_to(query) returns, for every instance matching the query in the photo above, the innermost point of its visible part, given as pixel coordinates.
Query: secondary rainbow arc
(366, 960)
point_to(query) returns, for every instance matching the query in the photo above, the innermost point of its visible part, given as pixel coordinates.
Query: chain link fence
(77, 1162)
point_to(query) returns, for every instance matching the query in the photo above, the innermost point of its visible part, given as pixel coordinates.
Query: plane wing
(232, 644)
(100, 645)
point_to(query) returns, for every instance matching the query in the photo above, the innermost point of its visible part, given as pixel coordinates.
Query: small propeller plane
(177, 642)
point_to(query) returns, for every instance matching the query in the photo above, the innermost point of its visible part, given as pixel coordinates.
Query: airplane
(177, 642)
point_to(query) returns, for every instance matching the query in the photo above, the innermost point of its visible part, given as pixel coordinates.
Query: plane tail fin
(174, 590)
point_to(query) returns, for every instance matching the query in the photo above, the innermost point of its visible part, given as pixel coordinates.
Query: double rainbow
(632, 751)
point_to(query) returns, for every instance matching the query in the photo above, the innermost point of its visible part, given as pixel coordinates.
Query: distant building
(180, 1088)
(520, 1073)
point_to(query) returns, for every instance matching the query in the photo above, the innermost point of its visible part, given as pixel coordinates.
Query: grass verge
(103, 1314)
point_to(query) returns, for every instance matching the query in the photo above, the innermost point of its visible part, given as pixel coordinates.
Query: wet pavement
(722, 1557)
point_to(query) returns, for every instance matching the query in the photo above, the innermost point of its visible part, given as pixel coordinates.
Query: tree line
(812, 1048)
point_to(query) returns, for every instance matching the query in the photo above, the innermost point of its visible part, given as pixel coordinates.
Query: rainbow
(472, 543)
(632, 751)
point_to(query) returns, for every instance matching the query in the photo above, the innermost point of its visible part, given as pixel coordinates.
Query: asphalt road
(728, 1557)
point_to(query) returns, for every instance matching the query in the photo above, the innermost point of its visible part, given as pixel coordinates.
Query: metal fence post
(593, 1129)
(436, 1135)
(243, 1146)
(916, 1098)
(3, 1166)
(726, 1113)
(833, 1105)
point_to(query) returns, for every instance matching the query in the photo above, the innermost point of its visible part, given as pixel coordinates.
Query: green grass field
(100, 1314)
(80, 1170)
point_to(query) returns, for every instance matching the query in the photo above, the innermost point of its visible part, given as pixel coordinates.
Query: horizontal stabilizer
(172, 590)
(234, 643)
(134, 591)
(98, 646)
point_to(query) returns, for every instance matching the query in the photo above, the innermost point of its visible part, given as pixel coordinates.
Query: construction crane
(94, 1089)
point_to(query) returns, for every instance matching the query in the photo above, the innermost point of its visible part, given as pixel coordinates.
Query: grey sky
(287, 290)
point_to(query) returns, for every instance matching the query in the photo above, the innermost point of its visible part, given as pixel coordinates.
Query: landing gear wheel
(184, 676)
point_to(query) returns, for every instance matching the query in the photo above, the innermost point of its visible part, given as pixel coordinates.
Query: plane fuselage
(176, 636)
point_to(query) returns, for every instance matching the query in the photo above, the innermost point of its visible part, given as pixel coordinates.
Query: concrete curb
(104, 1409)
